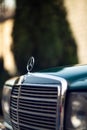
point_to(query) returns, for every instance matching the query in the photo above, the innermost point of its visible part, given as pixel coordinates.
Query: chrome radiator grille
(34, 107)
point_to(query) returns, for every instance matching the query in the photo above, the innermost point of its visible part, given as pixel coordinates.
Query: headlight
(6, 103)
(6, 99)
(76, 111)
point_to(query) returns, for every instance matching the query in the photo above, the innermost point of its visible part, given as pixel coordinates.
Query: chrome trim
(58, 104)
(7, 126)
(2, 103)
(18, 106)
(61, 94)
(62, 90)
(30, 63)
(43, 75)
(27, 84)
(43, 100)
(62, 105)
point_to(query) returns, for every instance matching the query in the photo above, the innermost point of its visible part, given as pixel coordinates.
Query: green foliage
(41, 30)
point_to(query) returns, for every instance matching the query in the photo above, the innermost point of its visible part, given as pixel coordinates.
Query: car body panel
(73, 74)
(67, 79)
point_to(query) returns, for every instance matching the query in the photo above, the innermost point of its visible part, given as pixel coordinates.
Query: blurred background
(53, 31)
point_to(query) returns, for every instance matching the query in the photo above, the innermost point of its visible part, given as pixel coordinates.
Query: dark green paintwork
(75, 75)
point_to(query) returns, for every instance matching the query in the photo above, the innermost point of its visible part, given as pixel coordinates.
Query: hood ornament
(30, 64)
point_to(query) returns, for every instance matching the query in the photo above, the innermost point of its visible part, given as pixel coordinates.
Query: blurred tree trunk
(77, 17)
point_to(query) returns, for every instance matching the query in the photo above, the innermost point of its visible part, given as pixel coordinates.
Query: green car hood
(76, 76)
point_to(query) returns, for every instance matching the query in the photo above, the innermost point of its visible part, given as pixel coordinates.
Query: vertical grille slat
(34, 107)
(13, 107)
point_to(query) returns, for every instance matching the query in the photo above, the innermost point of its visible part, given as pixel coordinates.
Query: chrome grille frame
(60, 93)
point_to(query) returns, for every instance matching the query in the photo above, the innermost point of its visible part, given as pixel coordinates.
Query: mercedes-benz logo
(30, 64)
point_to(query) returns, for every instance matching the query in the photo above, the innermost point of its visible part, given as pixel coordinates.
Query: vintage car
(53, 99)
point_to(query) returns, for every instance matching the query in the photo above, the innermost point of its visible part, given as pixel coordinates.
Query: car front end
(48, 100)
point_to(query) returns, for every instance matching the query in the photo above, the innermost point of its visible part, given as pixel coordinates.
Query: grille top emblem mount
(30, 64)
